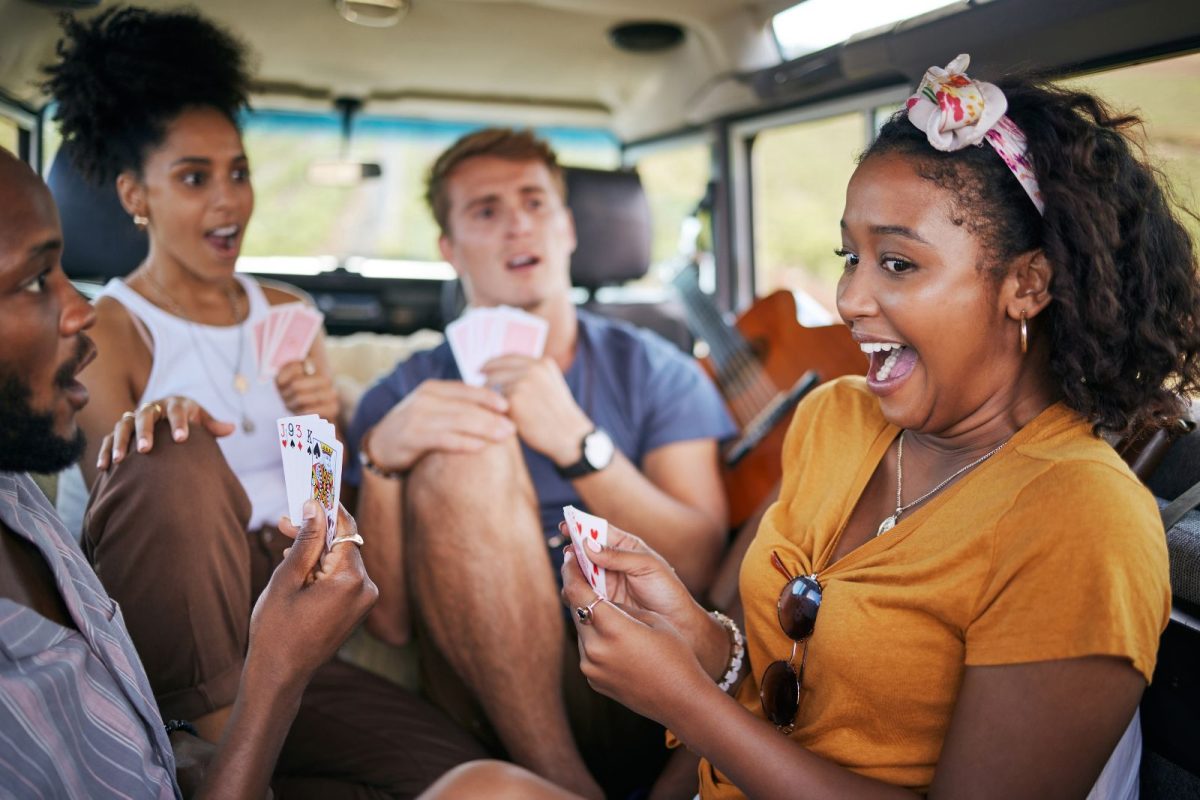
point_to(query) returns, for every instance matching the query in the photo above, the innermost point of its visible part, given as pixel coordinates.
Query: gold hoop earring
(140, 221)
(1024, 334)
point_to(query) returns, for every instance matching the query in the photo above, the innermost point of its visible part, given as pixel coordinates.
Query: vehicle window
(816, 24)
(800, 174)
(675, 178)
(380, 219)
(1163, 93)
(9, 134)
(18, 132)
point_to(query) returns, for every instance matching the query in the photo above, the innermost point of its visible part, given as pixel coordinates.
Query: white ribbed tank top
(198, 361)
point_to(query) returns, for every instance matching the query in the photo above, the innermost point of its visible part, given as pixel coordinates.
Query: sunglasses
(798, 605)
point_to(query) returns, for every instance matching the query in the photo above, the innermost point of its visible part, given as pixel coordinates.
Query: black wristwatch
(597, 453)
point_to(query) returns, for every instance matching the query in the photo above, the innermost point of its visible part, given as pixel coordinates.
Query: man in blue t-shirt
(464, 486)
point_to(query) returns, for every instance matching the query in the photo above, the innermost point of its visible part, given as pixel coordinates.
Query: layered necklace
(240, 382)
(890, 522)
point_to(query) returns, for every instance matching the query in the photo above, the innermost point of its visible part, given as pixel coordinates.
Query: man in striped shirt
(77, 717)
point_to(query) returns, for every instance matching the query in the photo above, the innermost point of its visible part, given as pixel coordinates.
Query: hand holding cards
(486, 333)
(584, 526)
(312, 467)
(284, 335)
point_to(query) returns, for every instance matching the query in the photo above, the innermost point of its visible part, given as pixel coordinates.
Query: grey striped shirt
(77, 717)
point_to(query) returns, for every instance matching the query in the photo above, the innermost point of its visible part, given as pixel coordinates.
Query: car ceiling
(541, 62)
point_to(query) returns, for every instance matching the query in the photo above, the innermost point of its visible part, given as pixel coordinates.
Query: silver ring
(128, 415)
(584, 613)
(350, 537)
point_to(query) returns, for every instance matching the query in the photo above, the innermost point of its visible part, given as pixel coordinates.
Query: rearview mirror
(342, 172)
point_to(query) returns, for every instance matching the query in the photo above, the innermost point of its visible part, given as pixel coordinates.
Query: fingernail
(179, 434)
(310, 509)
(99, 463)
(143, 445)
(594, 545)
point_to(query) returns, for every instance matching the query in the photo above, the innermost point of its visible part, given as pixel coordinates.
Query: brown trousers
(166, 532)
(624, 751)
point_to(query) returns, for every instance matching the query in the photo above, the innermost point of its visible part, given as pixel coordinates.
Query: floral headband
(955, 111)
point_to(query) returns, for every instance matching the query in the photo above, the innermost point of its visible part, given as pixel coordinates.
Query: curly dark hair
(125, 74)
(1122, 326)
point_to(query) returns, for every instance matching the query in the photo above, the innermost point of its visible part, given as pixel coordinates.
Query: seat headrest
(100, 240)
(612, 225)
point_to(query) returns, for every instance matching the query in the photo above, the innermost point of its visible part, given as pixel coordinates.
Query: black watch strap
(584, 465)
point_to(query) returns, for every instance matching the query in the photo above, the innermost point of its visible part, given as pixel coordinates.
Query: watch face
(598, 449)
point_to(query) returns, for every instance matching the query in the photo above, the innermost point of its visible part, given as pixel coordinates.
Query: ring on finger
(584, 613)
(353, 538)
(158, 409)
(128, 415)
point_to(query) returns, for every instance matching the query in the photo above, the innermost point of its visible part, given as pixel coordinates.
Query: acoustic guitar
(763, 366)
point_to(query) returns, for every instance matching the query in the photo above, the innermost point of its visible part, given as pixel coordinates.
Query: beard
(28, 441)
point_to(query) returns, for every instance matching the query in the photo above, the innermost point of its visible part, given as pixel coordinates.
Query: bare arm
(1040, 730)
(312, 603)
(677, 505)
(115, 380)
(380, 511)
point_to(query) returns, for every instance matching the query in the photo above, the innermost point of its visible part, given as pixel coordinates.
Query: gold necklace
(241, 383)
(890, 522)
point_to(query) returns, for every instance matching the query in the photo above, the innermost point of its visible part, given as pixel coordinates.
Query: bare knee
(494, 779)
(449, 480)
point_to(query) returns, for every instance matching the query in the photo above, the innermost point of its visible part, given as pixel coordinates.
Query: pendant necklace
(240, 383)
(890, 522)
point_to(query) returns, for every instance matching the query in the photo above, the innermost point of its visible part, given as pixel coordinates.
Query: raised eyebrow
(898, 230)
(480, 201)
(42, 248)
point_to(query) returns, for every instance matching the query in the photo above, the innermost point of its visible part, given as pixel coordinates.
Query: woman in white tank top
(176, 335)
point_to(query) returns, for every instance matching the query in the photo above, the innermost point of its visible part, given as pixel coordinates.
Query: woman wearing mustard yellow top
(961, 588)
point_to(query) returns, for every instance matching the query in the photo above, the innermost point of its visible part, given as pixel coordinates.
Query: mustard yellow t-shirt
(1051, 549)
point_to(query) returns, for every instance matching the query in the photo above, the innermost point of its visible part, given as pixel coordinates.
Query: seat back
(99, 238)
(614, 234)
(1171, 704)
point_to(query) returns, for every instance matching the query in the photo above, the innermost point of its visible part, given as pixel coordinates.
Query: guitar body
(786, 350)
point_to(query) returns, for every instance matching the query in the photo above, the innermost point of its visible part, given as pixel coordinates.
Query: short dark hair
(1123, 322)
(125, 74)
(504, 143)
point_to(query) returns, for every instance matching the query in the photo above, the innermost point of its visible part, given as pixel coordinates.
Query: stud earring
(140, 221)
(1024, 334)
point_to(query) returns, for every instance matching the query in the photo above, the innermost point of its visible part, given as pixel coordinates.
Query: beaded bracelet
(364, 458)
(737, 651)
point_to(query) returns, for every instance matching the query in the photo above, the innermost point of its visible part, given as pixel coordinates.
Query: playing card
(293, 338)
(584, 526)
(284, 335)
(482, 334)
(325, 482)
(520, 333)
(312, 467)
(460, 334)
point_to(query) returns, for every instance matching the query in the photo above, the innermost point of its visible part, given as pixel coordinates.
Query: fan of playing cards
(486, 333)
(285, 334)
(312, 467)
(584, 526)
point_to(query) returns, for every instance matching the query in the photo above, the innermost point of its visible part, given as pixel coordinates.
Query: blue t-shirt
(629, 381)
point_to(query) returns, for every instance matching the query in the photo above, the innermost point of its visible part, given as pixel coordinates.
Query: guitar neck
(736, 365)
